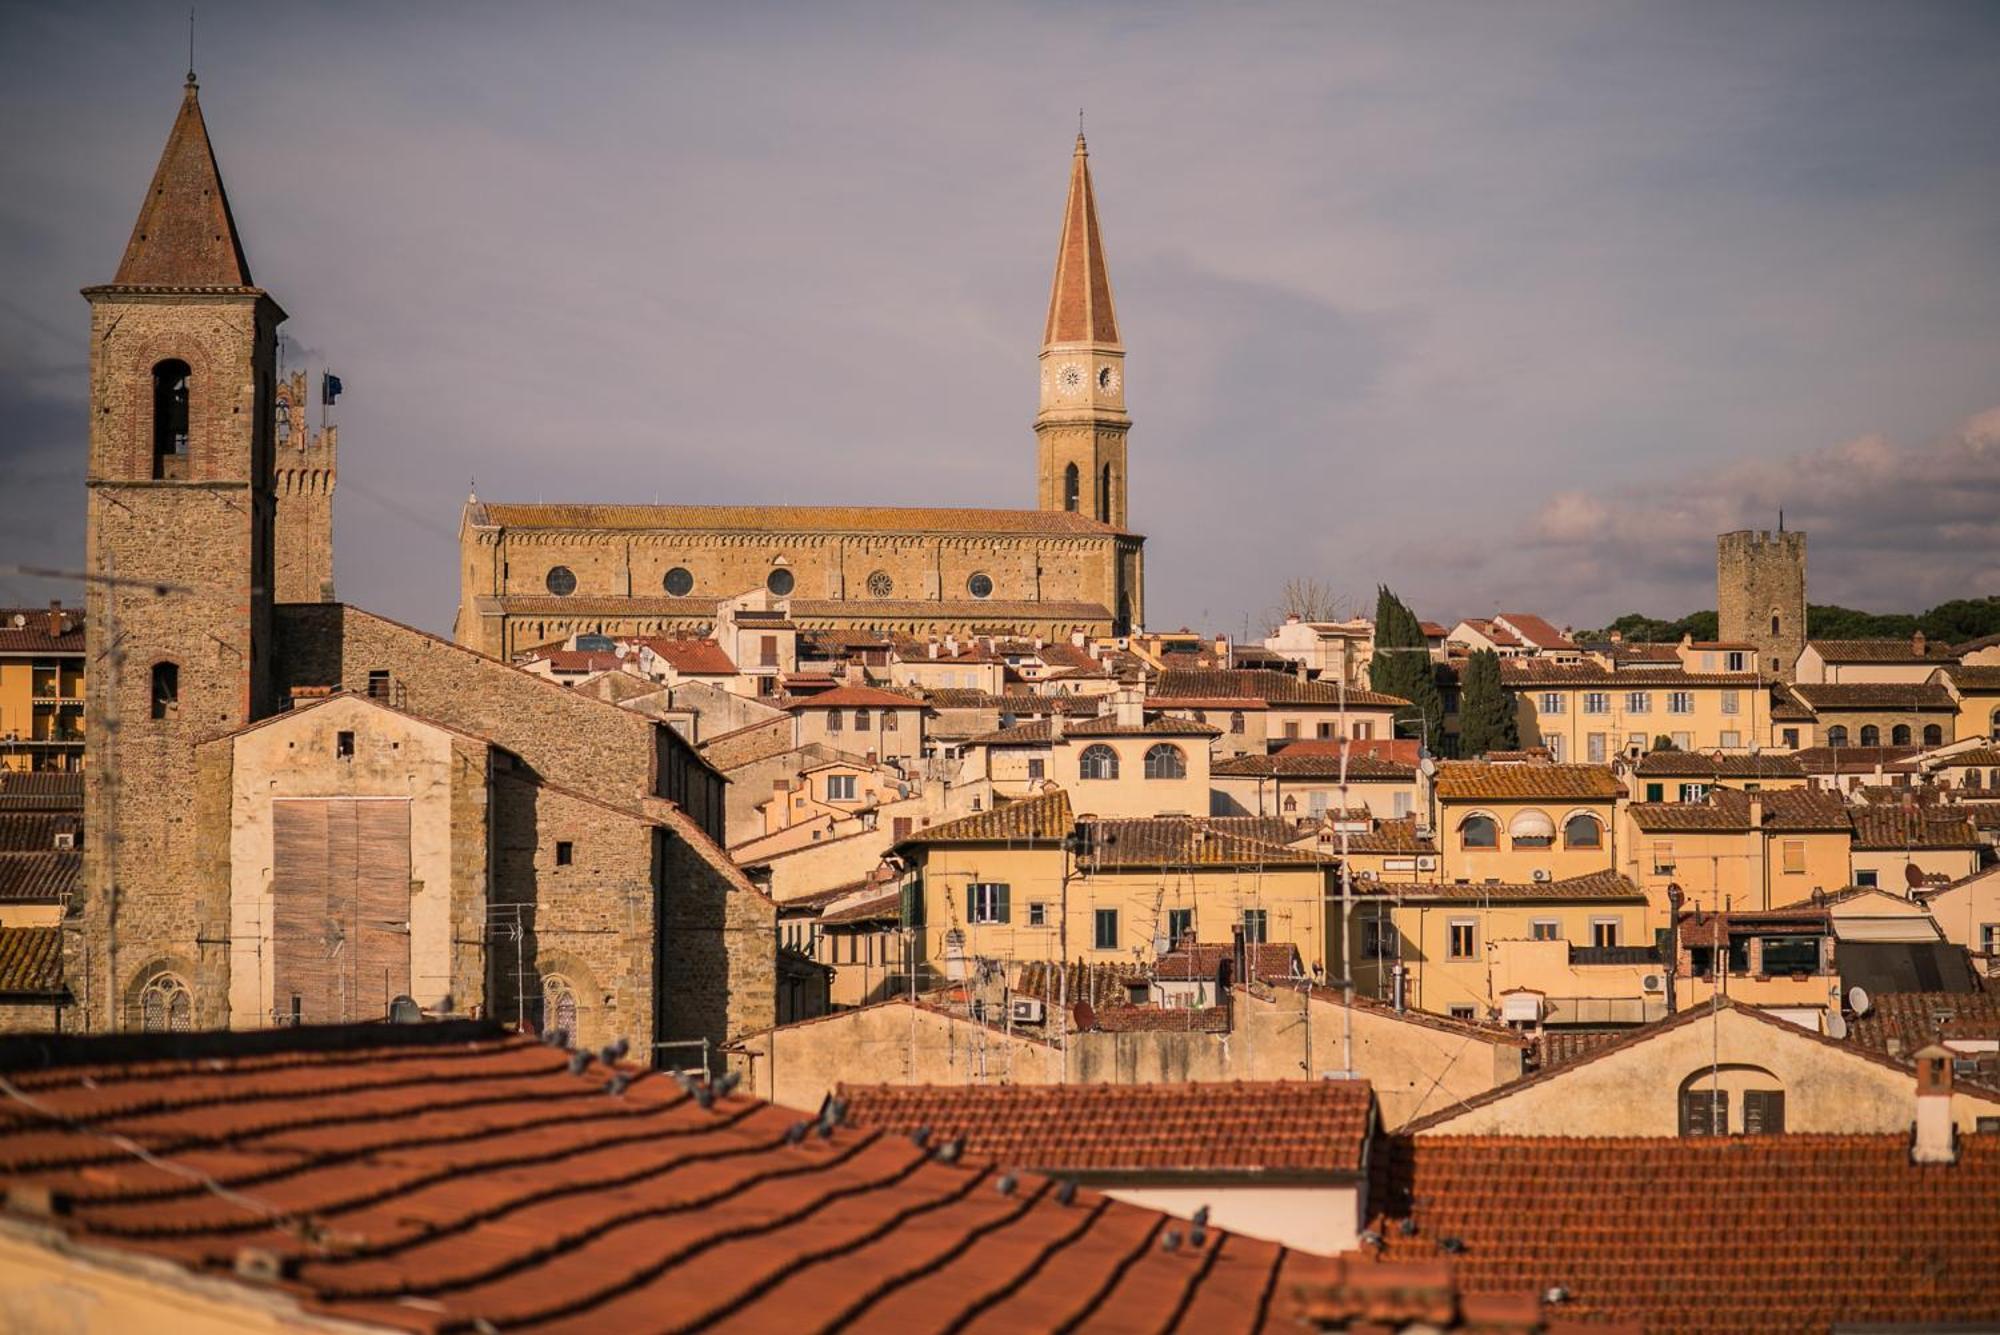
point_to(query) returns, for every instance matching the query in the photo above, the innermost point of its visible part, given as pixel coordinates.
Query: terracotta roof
(1979, 755)
(578, 660)
(699, 658)
(1493, 631)
(185, 236)
(1477, 781)
(1857, 759)
(1278, 688)
(1121, 1019)
(1039, 732)
(1822, 697)
(1790, 810)
(1185, 841)
(1719, 765)
(36, 831)
(1292, 1127)
(1537, 631)
(795, 519)
(1035, 819)
(1913, 1019)
(1198, 961)
(749, 744)
(1834, 1231)
(883, 904)
(1317, 765)
(856, 697)
(1519, 672)
(43, 790)
(1390, 836)
(1100, 985)
(1560, 1047)
(1597, 887)
(1894, 828)
(31, 961)
(32, 636)
(1880, 651)
(46, 877)
(1975, 676)
(445, 1177)
(1080, 309)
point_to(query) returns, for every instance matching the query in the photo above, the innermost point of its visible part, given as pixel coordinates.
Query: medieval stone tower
(303, 485)
(1760, 596)
(179, 545)
(1082, 423)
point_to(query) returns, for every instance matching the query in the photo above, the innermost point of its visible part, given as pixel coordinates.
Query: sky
(1509, 307)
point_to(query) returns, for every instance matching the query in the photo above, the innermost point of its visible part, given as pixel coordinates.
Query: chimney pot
(55, 617)
(1917, 644)
(1936, 1138)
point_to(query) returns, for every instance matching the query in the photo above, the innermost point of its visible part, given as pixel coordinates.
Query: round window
(779, 581)
(880, 585)
(679, 582)
(980, 586)
(561, 581)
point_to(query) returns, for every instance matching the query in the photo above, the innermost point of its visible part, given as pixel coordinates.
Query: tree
(1486, 719)
(1308, 600)
(1664, 743)
(1402, 667)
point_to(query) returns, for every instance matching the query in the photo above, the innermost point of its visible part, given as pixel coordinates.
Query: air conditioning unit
(1651, 982)
(66, 840)
(1026, 1010)
(1541, 874)
(1427, 862)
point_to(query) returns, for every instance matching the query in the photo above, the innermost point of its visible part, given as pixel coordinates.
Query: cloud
(1890, 527)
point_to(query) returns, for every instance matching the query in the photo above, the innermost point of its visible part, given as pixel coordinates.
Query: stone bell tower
(1082, 424)
(179, 547)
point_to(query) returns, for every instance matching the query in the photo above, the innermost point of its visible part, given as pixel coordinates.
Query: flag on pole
(329, 388)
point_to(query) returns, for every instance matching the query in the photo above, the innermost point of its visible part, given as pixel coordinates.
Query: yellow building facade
(41, 689)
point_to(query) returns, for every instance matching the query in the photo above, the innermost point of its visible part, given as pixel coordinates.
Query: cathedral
(533, 573)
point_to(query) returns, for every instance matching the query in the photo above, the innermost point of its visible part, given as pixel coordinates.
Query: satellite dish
(1836, 1025)
(1857, 1000)
(1913, 875)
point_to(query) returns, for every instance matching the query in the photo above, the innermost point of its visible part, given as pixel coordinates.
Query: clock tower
(1082, 424)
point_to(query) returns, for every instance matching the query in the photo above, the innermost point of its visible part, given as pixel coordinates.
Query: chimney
(1917, 644)
(55, 618)
(1056, 725)
(1756, 813)
(1936, 1139)
(1128, 706)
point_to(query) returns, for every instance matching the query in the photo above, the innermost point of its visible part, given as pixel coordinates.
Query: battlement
(1790, 542)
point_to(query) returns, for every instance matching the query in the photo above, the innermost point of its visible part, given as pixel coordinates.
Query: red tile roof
(1080, 309)
(32, 633)
(793, 518)
(1719, 765)
(1401, 750)
(1787, 1232)
(1316, 765)
(1792, 810)
(1477, 781)
(1537, 631)
(856, 697)
(1857, 759)
(46, 876)
(185, 236)
(1263, 1127)
(692, 657)
(1278, 688)
(1876, 696)
(1198, 962)
(1043, 819)
(31, 961)
(448, 1177)
(1598, 887)
(1895, 828)
(44, 790)
(1906, 650)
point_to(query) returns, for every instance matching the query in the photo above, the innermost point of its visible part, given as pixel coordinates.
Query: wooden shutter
(1000, 903)
(340, 890)
(1705, 1112)
(1764, 1112)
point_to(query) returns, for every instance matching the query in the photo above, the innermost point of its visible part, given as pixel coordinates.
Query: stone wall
(1758, 575)
(303, 481)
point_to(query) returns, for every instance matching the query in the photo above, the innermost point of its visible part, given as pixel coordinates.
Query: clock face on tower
(1107, 379)
(1070, 379)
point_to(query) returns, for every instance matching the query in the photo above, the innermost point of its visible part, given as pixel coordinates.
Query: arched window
(1072, 481)
(166, 690)
(1097, 762)
(170, 419)
(1836, 735)
(1291, 805)
(1933, 735)
(559, 1006)
(1165, 761)
(861, 721)
(1532, 829)
(1774, 623)
(1871, 735)
(1582, 831)
(1899, 735)
(166, 1006)
(1479, 832)
(1104, 494)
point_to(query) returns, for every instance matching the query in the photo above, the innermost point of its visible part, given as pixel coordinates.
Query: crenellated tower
(1082, 425)
(303, 485)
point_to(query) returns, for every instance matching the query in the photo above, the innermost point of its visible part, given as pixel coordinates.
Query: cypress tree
(1486, 720)
(1410, 675)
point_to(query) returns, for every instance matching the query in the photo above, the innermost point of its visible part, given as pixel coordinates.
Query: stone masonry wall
(1758, 575)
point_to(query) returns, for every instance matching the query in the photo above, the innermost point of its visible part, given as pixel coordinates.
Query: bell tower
(1082, 424)
(179, 547)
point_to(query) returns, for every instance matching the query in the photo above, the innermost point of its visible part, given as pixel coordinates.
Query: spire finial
(1079, 129)
(191, 83)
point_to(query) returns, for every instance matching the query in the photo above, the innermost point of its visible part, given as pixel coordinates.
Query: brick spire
(1080, 308)
(185, 236)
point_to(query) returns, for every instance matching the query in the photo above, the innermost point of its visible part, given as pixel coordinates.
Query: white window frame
(984, 905)
(1615, 927)
(1545, 929)
(1451, 926)
(841, 787)
(1597, 702)
(1553, 702)
(1638, 702)
(1680, 702)
(1732, 702)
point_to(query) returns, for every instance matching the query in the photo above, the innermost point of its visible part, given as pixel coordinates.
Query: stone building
(533, 573)
(1760, 596)
(300, 812)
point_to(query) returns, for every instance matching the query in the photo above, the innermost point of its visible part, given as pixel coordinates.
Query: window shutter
(972, 902)
(1705, 1112)
(1764, 1112)
(1000, 903)
(913, 903)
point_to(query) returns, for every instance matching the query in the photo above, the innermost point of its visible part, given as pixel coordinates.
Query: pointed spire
(1080, 308)
(185, 236)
